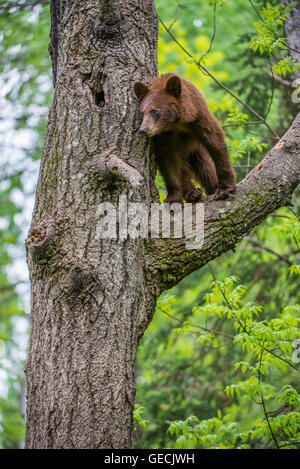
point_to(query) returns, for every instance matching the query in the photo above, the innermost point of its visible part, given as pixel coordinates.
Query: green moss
(258, 199)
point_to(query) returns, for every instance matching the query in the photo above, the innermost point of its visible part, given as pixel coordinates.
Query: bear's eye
(155, 114)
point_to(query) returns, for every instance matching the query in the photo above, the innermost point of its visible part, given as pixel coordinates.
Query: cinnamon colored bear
(188, 140)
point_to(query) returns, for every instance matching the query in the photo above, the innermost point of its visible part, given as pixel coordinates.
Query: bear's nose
(143, 130)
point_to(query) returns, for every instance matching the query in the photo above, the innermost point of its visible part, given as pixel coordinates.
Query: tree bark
(90, 302)
(292, 28)
(93, 298)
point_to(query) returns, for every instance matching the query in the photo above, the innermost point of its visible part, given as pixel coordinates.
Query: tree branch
(119, 168)
(267, 187)
(271, 251)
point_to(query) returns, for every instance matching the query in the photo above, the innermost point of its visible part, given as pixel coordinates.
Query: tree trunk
(93, 298)
(90, 303)
(292, 31)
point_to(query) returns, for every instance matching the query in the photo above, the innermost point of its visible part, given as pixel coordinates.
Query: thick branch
(122, 170)
(267, 187)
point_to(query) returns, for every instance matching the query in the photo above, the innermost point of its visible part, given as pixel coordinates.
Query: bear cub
(188, 140)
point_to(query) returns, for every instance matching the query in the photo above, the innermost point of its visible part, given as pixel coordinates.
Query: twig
(176, 17)
(265, 248)
(272, 92)
(256, 11)
(290, 48)
(280, 79)
(211, 331)
(213, 34)
(238, 124)
(279, 215)
(290, 444)
(263, 401)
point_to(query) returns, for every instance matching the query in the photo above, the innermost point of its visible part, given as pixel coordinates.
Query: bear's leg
(204, 170)
(190, 192)
(171, 173)
(212, 137)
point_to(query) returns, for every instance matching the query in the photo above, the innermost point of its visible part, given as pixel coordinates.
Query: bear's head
(159, 104)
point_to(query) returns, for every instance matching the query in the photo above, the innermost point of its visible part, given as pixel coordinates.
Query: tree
(291, 27)
(93, 298)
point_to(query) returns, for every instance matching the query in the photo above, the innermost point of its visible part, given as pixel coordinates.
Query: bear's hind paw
(222, 194)
(195, 195)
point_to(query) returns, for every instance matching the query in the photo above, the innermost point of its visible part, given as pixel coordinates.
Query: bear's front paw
(194, 195)
(222, 194)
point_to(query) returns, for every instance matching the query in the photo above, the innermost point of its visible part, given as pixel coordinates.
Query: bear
(188, 141)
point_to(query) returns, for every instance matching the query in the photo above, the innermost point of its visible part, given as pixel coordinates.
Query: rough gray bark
(292, 28)
(90, 302)
(92, 299)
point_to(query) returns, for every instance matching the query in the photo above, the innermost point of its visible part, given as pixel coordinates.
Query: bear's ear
(173, 86)
(140, 90)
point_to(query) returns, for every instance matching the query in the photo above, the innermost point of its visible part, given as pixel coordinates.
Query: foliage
(206, 368)
(264, 346)
(269, 37)
(138, 419)
(206, 363)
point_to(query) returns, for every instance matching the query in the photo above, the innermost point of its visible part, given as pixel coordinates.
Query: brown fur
(186, 135)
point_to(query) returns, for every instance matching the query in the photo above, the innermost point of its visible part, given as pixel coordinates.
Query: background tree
(246, 153)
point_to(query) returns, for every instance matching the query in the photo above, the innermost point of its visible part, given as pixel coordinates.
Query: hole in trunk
(99, 98)
(96, 86)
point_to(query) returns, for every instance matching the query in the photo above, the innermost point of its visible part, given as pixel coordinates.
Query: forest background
(217, 367)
